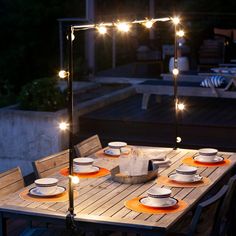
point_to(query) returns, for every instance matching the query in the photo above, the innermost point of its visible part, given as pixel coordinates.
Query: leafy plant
(42, 95)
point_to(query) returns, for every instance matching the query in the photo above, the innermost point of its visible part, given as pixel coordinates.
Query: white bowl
(158, 195)
(207, 151)
(82, 164)
(117, 144)
(46, 185)
(186, 172)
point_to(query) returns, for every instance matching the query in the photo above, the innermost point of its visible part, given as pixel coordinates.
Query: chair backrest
(227, 211)
(206, 214)
(51, 164)
(88, 146)
(11, 181)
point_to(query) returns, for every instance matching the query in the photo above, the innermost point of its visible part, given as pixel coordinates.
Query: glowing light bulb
(63, 126)
(175, 71)
(180, 33)
(148, 24)
(123, 27)
(63, 74)
(181, 106)
(175, 20)
(178, 139)
(74, 179)
(72, 37)
(102, 29)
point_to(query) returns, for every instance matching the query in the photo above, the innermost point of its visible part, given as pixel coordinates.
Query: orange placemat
(100, 173)
(190, 161)
(59, 198)
(164, 180)
(135, 205)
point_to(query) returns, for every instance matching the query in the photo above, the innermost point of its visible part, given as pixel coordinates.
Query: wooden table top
(101, 200)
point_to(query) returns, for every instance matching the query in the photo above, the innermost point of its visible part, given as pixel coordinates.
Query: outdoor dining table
(99, 204)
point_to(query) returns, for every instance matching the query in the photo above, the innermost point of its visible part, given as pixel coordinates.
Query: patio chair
(11, 181)
(225, 224)
(51, 164)
(206, 216)
(191, 89)
(88, 146)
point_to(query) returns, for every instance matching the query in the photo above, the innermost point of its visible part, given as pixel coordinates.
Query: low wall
(26, 136)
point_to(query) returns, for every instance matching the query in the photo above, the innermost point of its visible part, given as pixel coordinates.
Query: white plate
(177, 178)
(169, 203)
(110, 152)
(35, 192)
(92, 170)
(117, 144)
(202, 159)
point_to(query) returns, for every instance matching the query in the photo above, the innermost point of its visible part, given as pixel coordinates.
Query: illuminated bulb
(148, 24)
(176, 20)
(63, 74)
(74, 179)
(72, 37)
(102, 29)
(181, 106)
(178, 140)
(123, 27)
(180, 33)
(63, 126)
(175, 71)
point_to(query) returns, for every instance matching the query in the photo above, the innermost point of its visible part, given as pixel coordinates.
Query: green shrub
(42, 95)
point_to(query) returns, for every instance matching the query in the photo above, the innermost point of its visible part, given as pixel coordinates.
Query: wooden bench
(192, 89)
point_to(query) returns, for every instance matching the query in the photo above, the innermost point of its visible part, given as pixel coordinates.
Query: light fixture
(175, 20)
(180, 106)
(175, 71)
(63, 126)
(180, 33)
(148, 24)
(178, 139)
(102, 29)
(63, 74)
(74, 179)
(123, 27)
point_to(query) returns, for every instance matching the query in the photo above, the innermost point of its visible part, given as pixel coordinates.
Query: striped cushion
(215, 80)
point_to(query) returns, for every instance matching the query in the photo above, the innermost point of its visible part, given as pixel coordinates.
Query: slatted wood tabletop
(101, 200)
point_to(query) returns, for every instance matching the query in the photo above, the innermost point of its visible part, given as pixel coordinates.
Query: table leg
(145, 100)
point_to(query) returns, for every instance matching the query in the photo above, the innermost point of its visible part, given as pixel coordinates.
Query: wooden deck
(206, 122)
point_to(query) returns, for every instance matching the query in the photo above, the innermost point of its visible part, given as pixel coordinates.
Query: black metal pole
(70, 115)
(175, 77)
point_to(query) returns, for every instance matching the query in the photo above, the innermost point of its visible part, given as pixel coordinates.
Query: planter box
(26, 136)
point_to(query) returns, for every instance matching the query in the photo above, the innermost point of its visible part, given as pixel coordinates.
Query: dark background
(29, 47)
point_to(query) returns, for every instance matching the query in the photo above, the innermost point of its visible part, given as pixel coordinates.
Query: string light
(63, 74)
(123, 27)
(102, 29)
(74, 179)
(175, 71)
(180, 106)
(178, 139)
(63, 126)
(175, 20)
(180, 33)
(148, 24)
